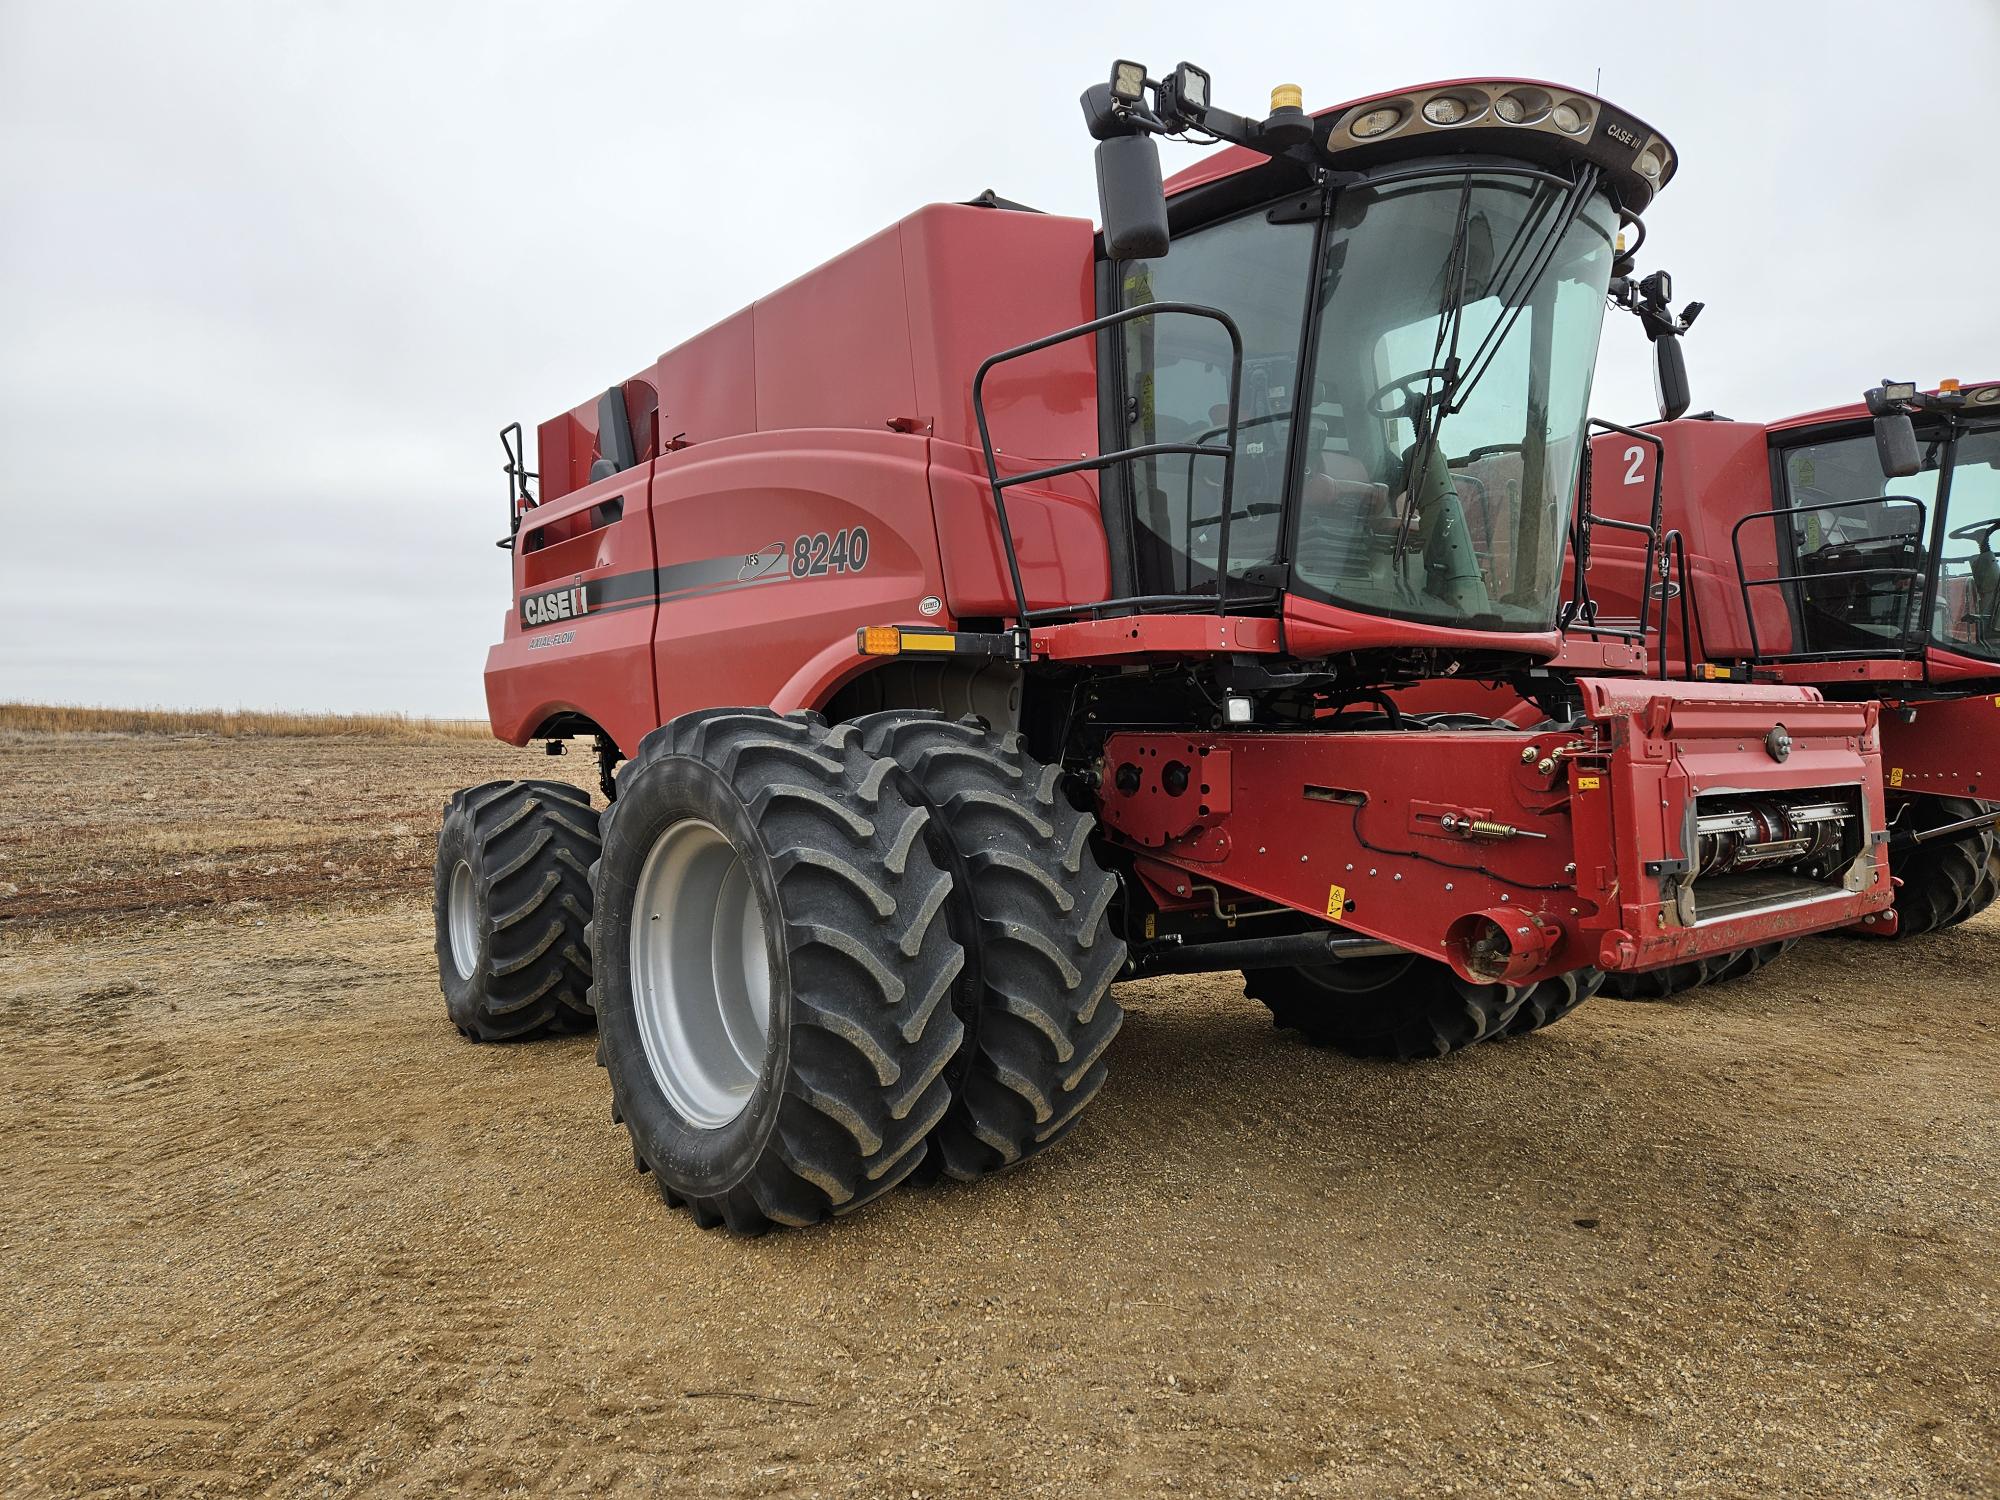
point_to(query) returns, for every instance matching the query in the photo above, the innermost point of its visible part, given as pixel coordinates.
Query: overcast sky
(273, 275)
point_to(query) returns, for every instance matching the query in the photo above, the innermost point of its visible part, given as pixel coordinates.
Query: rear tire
(1546, 1003)
(1400, 1007)
(511, 898)
(1987, 892)
(1031, 906)
(1949, 879)
(773, 968)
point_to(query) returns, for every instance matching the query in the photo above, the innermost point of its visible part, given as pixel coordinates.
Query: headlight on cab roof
(1377, 122)
(1504, 117)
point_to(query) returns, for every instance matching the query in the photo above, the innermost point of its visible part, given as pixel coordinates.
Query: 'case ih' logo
(555, 604)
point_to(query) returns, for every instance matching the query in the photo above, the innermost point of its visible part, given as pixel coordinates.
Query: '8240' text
(823, 552)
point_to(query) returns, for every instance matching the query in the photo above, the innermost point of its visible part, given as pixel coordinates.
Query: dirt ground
(270, 1225)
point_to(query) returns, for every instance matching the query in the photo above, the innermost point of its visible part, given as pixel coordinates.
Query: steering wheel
(1980, 532)
(1400, 407)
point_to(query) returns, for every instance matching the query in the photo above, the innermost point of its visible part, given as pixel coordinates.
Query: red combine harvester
(1851, 549)
(1065, 577)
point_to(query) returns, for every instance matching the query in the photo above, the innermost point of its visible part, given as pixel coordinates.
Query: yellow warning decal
(1589, 783)
(1336, 900)
(1152, 925)
(1895, 776)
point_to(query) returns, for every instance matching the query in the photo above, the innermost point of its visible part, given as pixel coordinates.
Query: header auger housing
(1014, 608)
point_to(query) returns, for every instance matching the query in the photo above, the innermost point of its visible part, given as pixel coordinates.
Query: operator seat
(1340, 508)
(1985, 595)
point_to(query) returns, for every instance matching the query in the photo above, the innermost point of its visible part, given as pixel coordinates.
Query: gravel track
(270, 1225)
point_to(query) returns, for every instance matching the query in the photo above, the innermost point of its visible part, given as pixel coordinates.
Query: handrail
(1581, 608)
(1904, 645)
(1674, 560)
(1226, 453)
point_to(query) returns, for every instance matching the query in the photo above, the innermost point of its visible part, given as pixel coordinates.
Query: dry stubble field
(270, 1225)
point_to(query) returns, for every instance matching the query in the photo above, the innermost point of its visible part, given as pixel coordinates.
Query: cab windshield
(1457, 330)
(1872, 557)
(1454, 319)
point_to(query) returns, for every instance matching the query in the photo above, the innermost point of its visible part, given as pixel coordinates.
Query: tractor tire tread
(1546, 1003)
(531, 844)
(1943, 882)
(1035, 914)
(872, 967)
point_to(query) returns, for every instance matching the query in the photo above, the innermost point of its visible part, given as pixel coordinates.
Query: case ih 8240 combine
(1062, 579)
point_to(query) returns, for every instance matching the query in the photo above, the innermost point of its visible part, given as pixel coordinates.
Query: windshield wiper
(1552, 218)
(1451, 311)
(1565, 211)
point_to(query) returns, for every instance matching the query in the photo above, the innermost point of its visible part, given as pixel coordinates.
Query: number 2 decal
(1634, 457)
(817, 553)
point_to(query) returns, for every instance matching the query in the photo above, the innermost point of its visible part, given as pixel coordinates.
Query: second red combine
(1009, 607)
(1850, 549)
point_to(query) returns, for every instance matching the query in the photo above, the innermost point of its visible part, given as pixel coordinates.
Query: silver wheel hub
(701, 974)
(462, 921)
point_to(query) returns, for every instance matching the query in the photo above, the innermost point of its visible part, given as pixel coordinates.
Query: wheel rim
(701, 974)
(462, 921)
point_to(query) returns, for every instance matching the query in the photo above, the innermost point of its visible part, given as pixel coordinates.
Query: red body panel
(598, 664)
(742, 631)
(1327, 823)
(1946, 746)
(1058, 535)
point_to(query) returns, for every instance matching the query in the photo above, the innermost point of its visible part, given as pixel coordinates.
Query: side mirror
(1131, 197)
(1670, 378)
(1896, 446)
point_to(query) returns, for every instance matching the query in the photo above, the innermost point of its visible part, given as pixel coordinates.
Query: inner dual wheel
(1404, 1006)
(817, 969)
(1400, 1006)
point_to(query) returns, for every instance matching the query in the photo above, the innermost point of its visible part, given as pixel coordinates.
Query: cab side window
(1176, 390)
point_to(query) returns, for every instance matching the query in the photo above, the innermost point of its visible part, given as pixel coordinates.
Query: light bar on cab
(1509, 115)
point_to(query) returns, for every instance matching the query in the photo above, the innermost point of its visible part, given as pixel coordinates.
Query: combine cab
(1011, 606)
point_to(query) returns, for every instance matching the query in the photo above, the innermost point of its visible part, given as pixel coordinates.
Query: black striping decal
(699, 578)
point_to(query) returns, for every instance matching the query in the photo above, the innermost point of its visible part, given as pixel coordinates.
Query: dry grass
(230, 724)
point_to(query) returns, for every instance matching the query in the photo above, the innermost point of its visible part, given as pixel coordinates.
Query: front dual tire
(827, 958)
(773, 969)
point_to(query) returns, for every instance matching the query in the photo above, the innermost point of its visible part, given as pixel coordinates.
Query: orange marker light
(879, 640)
